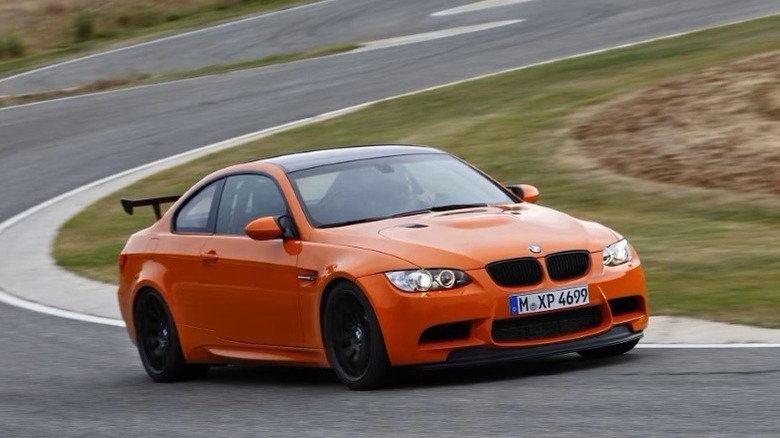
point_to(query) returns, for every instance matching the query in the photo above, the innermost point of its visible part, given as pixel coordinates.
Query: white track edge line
(362, 47)
(163, 163)
(706, 346)
(29, 305)
(449, 84)
(194, 153)
(424, 37)
(478, 6)
(163, 39)
(54, 311)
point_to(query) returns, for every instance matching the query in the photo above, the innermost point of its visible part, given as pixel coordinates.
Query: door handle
(210, 256)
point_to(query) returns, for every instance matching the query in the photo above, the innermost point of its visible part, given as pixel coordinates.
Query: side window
(245, 198)
(195, 215)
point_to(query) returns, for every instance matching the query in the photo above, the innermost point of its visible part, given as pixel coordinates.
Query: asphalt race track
(68, 378)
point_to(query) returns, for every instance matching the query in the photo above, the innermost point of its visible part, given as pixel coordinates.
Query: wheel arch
(326, 291)
(130, 322)
(358, 374)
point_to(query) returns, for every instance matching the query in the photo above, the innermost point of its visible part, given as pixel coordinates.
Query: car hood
(472, 238)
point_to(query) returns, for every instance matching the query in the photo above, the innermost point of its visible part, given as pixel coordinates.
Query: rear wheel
(158, 341)
(353, 339)
(612, 350)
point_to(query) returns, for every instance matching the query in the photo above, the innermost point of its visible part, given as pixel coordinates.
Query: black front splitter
(483, 355)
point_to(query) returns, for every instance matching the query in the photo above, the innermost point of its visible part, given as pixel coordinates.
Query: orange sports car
(364, 258)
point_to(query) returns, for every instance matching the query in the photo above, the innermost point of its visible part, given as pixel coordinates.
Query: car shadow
(414, 377)
(514, 370)
(272, 375)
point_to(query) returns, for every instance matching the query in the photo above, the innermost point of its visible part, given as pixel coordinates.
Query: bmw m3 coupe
(366, 258)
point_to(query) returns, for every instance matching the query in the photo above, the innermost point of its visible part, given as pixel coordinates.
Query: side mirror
(525, 192)
(263, 228)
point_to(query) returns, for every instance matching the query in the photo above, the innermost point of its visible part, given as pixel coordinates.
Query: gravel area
(718, 128)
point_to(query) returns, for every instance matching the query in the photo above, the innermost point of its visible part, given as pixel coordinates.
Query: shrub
(83, 27)
(11, 45)
(143, 16)
(174, 16)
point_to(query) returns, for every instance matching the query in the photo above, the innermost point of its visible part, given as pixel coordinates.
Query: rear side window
(195, 216)
(245, 198)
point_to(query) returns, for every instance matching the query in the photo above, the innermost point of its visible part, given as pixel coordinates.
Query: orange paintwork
(236, 299)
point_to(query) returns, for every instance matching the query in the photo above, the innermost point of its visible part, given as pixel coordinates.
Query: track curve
(69, 378)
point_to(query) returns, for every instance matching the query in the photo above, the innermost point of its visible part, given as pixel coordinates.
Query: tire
(353, 339)
(158, 341)
(612, 350)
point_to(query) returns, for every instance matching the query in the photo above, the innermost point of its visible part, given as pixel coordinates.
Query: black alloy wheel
(158, 341)
(353, 339)
(612, 350)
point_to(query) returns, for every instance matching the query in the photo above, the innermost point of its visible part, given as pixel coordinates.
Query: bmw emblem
(536, 249)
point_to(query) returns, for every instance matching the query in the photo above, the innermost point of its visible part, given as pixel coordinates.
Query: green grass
(707, 254)
(149, 78)
(89, 36)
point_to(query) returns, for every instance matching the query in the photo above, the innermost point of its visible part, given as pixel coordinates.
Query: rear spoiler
(129, 204)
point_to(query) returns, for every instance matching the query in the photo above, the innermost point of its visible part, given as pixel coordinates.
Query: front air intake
(622, 306)
(452, 331)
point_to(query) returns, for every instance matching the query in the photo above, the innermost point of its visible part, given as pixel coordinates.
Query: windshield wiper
(412, 212)
(375, 218)
(438, 208)
(403, 214)
(457, 206)
(353, 222)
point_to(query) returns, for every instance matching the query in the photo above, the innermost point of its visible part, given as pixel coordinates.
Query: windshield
(379, 188)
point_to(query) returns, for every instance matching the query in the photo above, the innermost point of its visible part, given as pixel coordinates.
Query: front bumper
(405, 317)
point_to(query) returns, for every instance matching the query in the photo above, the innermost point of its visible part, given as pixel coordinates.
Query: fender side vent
(413, 225)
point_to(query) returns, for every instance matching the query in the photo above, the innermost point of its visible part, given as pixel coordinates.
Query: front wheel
(612, 350)
(353, 339)
(158, 341)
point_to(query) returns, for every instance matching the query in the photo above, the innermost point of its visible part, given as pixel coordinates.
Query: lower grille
(546, 325)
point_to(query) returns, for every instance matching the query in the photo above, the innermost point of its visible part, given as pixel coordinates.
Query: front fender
(330, 263)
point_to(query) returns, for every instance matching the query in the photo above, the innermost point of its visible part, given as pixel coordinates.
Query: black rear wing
(129, 204)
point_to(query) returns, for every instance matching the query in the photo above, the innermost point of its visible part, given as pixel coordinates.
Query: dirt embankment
(719, 128)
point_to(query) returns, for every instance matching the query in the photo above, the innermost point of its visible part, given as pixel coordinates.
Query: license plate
(548, 300)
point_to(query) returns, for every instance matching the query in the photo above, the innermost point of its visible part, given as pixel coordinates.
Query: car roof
(324, 157)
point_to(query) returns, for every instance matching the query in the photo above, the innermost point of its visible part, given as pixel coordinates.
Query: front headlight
(421, 280)
(617, 253)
